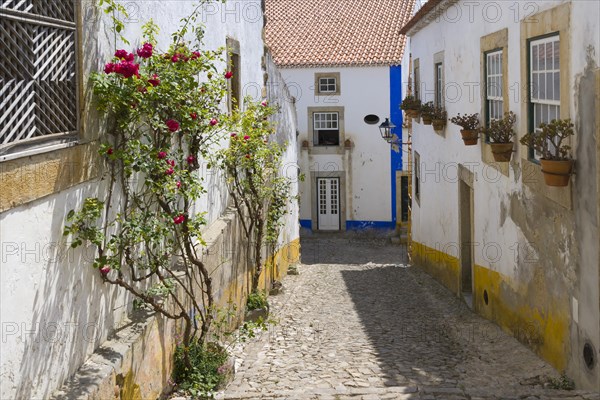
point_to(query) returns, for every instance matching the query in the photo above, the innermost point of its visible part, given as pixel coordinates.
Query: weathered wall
(55, 311)
(366, 165)
(535, 248)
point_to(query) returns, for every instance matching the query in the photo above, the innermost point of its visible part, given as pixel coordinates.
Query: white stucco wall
(55, 311)
(364, 90)
(501, 243)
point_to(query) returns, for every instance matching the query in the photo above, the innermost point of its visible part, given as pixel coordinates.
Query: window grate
(38, 90)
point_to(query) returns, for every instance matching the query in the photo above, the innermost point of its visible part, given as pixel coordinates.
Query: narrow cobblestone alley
(358, 323)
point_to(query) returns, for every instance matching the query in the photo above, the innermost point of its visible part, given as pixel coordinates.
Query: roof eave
(426, 14)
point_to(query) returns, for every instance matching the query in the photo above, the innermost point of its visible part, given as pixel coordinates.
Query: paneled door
(328, 206)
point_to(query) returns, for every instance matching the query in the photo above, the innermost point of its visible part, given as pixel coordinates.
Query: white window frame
(494, 84)
(327, 84)
(335, 122)
(544, 109)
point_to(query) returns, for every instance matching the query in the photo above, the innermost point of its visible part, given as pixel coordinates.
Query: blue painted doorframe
(396, 118)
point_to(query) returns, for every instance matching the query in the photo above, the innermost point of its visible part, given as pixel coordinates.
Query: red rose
(142, 89)
(179, 219)
(247, 155)
(172, 125)
(191, 160)
(109, 151)
(109, 68)
(145, 51)
(171, 162)
(154, 81)
(195, 55)
(170, 171)
(124, 55)
(105, 270)
(214, 121)
(234, 135)
(228, 75)
(246, 137)
(178, 184)
(162, 155)
(175, 58)
(194, 116)
(127, 69)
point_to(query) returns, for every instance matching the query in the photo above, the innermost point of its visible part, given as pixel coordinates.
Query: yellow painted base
(525, 310)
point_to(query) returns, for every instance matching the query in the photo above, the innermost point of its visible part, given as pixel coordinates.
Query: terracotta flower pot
(438, 124)
(470, 137)
(426, 119)
(412, 113)
(557, 172)
(502, 151)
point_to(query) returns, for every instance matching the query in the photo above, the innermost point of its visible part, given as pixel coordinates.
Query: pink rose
(233, 135)
(264, 103)
(191, 159)
(214, 121)
(246, 137)
(162, 155)
(154, 81)
(228, 75)
(170, 171)
(145, 51)
(179, 219)
(172, 125)
(195, 55)
(171, 162)
(178, 184)
(175, 58)
(105, 270)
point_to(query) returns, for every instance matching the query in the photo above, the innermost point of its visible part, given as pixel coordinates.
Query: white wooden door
(328, 203)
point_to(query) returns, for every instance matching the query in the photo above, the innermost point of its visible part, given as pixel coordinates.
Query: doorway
(465, 214)
(328, 204)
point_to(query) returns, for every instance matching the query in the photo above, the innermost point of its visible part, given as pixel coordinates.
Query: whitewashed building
(343, 61)
(523, 254)
(56, 313)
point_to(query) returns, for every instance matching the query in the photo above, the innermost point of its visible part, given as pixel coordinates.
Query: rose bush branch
(164, 109)
(260, 192)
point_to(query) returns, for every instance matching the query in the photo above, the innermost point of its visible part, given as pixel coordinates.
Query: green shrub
(257, 300)
(208, 372)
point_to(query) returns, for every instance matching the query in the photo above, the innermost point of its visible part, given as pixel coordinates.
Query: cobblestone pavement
(357, 323)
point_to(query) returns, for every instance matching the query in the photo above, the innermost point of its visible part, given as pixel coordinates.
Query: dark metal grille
(37, 70)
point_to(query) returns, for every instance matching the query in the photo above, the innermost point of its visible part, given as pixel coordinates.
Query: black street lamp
(386, 130)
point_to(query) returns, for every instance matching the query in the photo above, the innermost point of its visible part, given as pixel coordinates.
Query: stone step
(391, 392)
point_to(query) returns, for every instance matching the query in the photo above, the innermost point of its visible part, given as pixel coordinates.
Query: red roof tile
(315, 33)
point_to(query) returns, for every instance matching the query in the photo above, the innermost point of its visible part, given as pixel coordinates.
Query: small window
(417, 82)
(38, 76)
(326, 128)
(234, 83)
(544, 81)
(439, 85)
(327, 85)
(417, 177)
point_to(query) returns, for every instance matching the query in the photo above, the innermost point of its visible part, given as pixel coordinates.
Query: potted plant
(411, 106)
(500, 133)
(556, 161)
(438, 118)
(426, 111)
(470, 127)
(257, 306)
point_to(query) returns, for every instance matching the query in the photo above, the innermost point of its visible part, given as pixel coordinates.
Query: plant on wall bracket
(470, 127)
(500, 132)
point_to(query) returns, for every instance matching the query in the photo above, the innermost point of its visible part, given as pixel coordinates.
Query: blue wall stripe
(396, 118)
(360, 225)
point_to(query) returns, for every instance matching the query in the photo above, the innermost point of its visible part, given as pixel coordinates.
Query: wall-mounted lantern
(386, 130)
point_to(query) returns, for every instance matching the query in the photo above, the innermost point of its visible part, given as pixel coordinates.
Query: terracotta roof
(315, 33)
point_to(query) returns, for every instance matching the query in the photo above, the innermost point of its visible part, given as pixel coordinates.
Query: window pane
(542, 86)
(534, 86)
(556, 86)
(556, 55)
(534, 58)
(550, 85)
